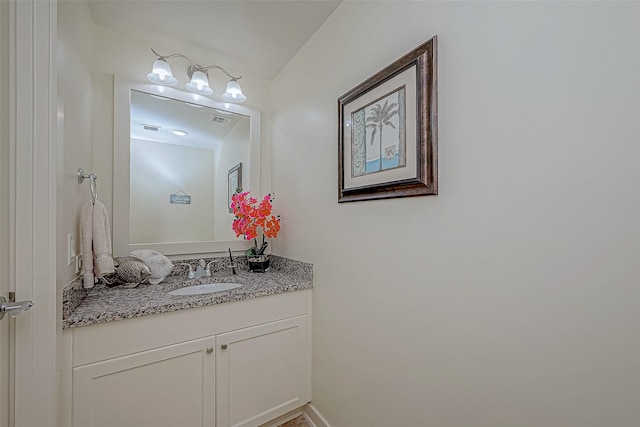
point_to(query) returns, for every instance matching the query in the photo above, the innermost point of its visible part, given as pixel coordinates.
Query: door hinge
(12, 297)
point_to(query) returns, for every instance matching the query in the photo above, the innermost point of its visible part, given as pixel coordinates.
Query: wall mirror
(177, 158)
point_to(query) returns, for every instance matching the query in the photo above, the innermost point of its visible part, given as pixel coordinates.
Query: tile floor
(296, 422)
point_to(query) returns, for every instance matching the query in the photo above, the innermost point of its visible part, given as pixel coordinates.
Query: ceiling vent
(152, 128)
(219, 119)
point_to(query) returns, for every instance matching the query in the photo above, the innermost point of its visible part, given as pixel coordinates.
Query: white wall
(75, 100)
(75, 135)
(161, 170)
(511, 298)
(234, 149)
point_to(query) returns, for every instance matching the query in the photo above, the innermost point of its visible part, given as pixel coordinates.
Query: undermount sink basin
(209, 288)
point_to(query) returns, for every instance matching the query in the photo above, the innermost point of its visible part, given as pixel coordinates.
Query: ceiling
(206, 127)
(259, 35)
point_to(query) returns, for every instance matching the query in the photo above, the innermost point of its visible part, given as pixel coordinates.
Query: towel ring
(93, 186)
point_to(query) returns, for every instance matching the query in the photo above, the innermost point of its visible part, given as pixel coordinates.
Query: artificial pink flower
(250, 217)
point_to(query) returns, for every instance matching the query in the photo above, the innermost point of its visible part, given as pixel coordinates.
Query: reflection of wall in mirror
(234, 149)
(158, 170)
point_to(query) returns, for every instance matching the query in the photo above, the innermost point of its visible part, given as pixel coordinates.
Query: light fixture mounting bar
(194, 66)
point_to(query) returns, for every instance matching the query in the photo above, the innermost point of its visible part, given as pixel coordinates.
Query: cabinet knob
(209, 350)
(223, 346)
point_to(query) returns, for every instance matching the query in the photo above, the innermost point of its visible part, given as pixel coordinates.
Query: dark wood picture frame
(425, 179)
(233, 177)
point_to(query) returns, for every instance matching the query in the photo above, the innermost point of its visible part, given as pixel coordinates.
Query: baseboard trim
(308, 420)
(314, 417)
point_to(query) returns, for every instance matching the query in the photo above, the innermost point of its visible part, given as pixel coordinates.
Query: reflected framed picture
(387, 131)
(234, 183)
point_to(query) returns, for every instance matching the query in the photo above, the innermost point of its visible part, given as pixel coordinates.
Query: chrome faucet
(200, 269)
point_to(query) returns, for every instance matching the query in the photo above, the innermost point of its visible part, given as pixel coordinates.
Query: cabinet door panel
(173, 385)
(261, 372)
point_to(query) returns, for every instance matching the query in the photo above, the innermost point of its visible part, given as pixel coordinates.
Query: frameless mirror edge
(121, 160)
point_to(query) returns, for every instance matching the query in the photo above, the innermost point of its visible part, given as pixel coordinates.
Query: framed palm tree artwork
(387, 131)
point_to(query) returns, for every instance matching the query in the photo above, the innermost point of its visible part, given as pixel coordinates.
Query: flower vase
(259, 263)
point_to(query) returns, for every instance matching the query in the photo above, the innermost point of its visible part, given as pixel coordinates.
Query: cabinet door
(261, 372)
(168, 386)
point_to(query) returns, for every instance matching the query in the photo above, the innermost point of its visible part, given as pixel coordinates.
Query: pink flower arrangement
(251, 216)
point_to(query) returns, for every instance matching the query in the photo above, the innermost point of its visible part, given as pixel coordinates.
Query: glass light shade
(162, 74)
(199, 84)
(234, 92)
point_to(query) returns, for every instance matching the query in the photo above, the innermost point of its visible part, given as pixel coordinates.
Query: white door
(4, 208)
(28, 158)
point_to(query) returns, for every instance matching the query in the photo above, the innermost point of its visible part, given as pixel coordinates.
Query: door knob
(13, 308)
(223, 346)
(209, 350)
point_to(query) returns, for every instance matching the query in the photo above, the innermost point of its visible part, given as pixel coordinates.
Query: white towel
(86, 231)
(96, 242)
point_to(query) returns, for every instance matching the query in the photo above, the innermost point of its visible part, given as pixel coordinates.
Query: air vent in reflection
(152, 128)
(219, 119)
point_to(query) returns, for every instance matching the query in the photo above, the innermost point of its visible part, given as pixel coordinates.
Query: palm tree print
(380, 117)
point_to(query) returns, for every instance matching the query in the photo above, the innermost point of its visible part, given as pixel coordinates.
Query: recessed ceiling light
(179, 132)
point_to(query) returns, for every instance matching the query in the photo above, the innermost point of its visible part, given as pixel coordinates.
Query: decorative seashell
(122, 259)
(159, 264)
(132, 273)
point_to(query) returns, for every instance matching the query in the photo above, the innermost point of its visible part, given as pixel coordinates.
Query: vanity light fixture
(199, 83)
(161, 73)
(234, 93)
(179, 132)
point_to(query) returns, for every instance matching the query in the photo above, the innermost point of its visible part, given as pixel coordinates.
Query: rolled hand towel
(86, 231)
(103, 264)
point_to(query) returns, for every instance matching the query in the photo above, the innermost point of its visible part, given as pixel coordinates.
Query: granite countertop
(102, 304)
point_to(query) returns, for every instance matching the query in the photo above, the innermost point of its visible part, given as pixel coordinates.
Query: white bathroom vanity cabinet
(234, 364)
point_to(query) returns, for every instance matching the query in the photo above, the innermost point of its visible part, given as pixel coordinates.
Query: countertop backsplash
(74, 294)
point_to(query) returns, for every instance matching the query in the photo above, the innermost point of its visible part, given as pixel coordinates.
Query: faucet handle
(190, 273)
(207, 271)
